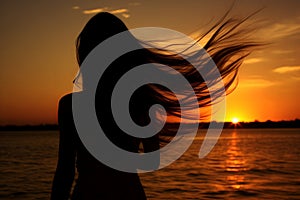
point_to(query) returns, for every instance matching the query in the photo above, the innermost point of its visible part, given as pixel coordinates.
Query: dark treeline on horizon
(256, 124)
(40, 127)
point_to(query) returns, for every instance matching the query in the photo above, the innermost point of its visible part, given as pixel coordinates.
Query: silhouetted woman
(226, 47)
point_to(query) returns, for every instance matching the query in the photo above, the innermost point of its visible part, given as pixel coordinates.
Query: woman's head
(100, 27)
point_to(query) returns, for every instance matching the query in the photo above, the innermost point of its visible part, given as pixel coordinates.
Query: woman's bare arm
(65, 171)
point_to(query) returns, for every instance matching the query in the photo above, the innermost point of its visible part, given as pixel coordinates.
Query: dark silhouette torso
(95, 180)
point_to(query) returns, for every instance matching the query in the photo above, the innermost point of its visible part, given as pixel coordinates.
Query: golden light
(235, 120)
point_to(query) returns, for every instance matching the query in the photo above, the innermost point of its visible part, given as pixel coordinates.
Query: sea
(244, 164)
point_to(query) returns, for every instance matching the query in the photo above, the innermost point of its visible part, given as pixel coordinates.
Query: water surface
(245, 164)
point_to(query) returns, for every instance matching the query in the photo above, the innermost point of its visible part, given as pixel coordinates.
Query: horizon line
(256, 121)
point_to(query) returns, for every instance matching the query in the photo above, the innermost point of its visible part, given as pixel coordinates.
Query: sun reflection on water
(235, 163)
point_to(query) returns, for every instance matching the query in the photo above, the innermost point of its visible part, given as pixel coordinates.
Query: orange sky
(38, 54)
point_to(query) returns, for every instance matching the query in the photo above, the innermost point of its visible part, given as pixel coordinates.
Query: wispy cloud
(286, 69)
(134, 4)
(125, 15)
(281, 30)
(279, 51)
(93, 11)
(252, 60)
(123, 11)
(75, 7)
(119, 11)
(256, 82)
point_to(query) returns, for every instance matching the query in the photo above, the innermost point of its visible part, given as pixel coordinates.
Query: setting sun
(235, 120)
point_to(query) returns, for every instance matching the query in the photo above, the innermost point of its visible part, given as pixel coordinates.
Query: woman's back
(95, 180)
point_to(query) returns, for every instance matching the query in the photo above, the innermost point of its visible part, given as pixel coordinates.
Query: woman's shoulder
(66, 100)
(65, 105)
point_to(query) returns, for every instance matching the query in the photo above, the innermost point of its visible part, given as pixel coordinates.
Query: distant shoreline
(256, 124)
(227, 125)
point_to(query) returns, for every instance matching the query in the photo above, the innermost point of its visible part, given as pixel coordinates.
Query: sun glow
(235, 120)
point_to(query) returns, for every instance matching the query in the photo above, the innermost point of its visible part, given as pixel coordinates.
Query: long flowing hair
(227, 43)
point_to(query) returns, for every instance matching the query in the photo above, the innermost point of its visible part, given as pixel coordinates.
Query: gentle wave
(244, 164)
